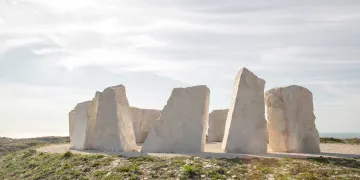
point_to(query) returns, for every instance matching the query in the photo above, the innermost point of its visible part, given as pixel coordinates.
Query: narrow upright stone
(143, 119)
(245, 129)
(114, 129)
(72, 117)
(291, 120)
(182, 125)
(217, 121)
(78, 136)
(91, 117)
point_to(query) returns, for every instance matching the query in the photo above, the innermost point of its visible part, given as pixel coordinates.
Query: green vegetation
(342, 141)
(30, 164)
(8, 145)
(20, 163)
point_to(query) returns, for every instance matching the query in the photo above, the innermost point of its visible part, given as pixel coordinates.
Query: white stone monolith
(114, 128)
(217, 121)
(245, 129)
(72, 117)
(291, 120)
(78, 135)
(143, 119)
(91, 117)
(182, 125)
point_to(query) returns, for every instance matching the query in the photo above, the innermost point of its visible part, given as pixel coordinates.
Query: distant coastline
(340, 135)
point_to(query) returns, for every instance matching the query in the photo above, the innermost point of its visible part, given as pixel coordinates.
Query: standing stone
(182, 125)
(217, 121)
(245, 129)
(72, 117)
(143, 119)
(114, 129)
(91, 117)
(80, 125)
(291, 120)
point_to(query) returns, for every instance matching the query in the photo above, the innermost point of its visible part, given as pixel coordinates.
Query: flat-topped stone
(245, 129)
(291, 120)
(72, 117)
(182, 125)
(114, 128)
(143, 120)
(78, 135)
(217, 121)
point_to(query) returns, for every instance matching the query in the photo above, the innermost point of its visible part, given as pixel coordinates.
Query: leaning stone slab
(291, 120)
(182, 125)
(114, 129)
(78, 135)
(143, 119)
(245, 129)
(217, 121)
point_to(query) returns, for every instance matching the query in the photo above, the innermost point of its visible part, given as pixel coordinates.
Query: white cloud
(196, 42)
(45, 51)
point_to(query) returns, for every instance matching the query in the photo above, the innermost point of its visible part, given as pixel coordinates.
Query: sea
(340, 135)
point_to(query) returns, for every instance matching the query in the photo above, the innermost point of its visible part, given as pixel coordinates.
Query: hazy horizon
(55, 54)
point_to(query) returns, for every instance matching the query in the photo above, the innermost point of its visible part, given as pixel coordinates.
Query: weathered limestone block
(245, 129)
(143, 119)
(91, 117)
(182, 125)
(72, 117)
(78, 134)
(291, 120)
(217, 121)
(114, 129)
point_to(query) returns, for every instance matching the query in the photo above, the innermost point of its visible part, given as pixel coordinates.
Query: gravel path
(214, 150)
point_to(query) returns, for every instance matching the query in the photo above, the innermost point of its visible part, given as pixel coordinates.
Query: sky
(55, 54)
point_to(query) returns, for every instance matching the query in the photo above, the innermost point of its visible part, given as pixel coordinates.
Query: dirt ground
(214, 150)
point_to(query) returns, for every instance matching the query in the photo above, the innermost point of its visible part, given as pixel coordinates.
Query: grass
(31, 164)
(342, 141)
(8, 145)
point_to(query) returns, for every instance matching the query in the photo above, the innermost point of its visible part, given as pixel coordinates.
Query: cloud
(160, 45)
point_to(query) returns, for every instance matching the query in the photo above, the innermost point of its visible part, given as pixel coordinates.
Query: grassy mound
(8, 145)
(342, 141)
(30, 164)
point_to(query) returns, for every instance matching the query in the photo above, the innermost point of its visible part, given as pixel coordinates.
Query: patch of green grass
(67, 155)
(100, 173)
(130, 169)
(191, 170)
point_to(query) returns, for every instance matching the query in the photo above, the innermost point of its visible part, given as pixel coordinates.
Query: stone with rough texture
(245, 129)
(217, 121)
(182, 125)
(114, 128)
(72, 117)
(291, 120)
(91, 117)
(78, 135)
(143, 119)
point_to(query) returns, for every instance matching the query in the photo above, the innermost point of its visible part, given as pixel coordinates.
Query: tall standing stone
(182, 125)
(245, 129)
(217, 121)
(114, 129)
(72, 117)
(78, 135)
(291, 120)
(143, 119)
(91, 117)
